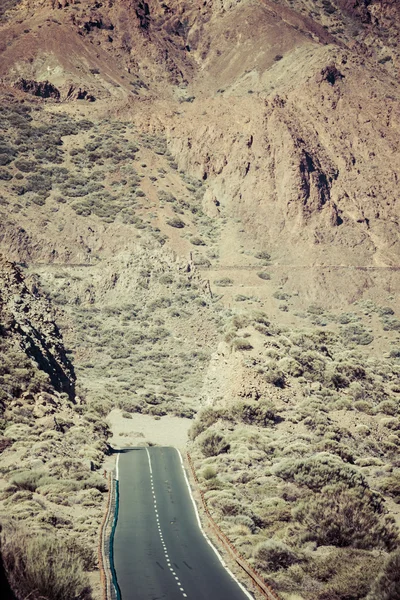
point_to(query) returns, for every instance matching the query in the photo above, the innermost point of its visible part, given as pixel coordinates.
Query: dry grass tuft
(40, 566)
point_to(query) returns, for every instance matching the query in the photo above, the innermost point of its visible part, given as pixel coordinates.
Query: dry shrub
(224, 282)
(209, 473)
(320, 470)
(275, 376)
(241, 344)
(387, 584)
(273, 555)
(391, 485)
(341, 517)
(344, 574)
(225, 503)
(212, 444)
(254, 412)
(42, 567)
(205, 418)
(388, 407)
(27, 480)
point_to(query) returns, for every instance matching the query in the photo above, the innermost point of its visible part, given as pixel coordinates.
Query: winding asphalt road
(159, 549)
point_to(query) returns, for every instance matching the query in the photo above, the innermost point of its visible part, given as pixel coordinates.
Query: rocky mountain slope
(206, 194)
(48, 449)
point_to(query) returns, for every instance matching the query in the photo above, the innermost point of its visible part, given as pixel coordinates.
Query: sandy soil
(143, 430)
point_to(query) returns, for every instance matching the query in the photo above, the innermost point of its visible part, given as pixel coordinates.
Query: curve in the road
(160, 550)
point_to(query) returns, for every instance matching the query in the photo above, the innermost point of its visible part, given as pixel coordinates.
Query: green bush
(40, 183)
(388, 407)
(281, 296)
(346, 318)
(39, 200)
(27, 480)
(260, 317)
(391, 486)
(5, 159)
(164, 196)
(315, 309)
(364, 406)
(390, 323)
(209, 473)
(344, 574)
(263, 255)
(385, 310)
(196, 241)
(26, 166)
(275, 376)
(166, 279)
(5, 175)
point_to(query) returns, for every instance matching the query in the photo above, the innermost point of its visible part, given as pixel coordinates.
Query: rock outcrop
(79, 94)
(27, 318)
(43, 89)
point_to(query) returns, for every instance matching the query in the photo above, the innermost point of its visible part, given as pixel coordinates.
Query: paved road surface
(159, 550)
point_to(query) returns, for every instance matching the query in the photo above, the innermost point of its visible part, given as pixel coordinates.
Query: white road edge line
(205, 535)
(117, 468)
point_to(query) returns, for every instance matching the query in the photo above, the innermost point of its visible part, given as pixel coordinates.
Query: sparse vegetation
(295, 424)
(295, 473)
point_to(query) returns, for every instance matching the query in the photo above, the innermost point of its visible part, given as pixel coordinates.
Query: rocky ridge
(28, 319)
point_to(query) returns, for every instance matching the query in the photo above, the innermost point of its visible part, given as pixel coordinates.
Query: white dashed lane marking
(168, 561)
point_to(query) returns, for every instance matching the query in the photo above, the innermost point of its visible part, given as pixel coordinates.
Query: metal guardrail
(255, 577)
(109, 586)
(101, 543)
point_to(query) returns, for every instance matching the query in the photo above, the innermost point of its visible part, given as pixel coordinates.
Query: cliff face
(316, 160)
(28, 320)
